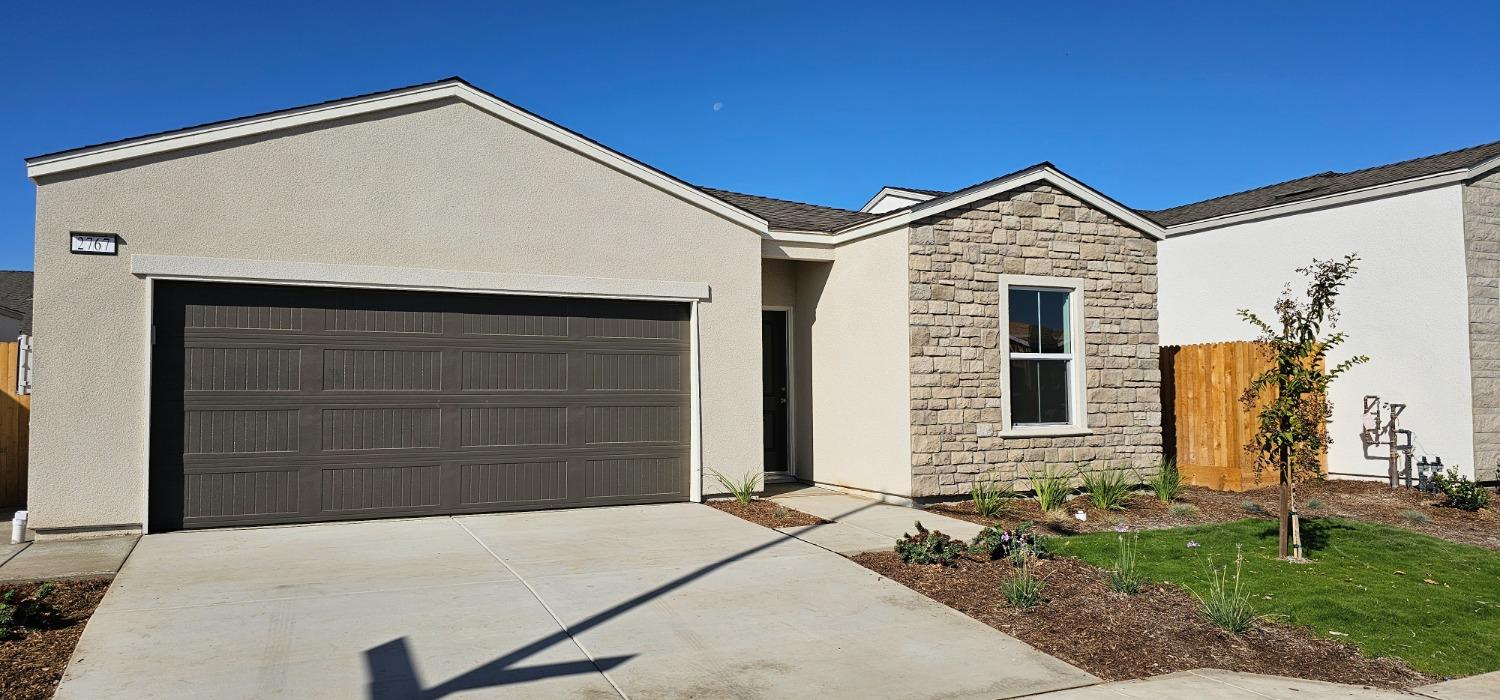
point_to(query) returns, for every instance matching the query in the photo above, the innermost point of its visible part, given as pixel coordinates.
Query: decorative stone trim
(1482, 260)
(954, 264)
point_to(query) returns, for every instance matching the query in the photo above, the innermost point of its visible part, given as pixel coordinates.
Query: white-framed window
(1042, 366)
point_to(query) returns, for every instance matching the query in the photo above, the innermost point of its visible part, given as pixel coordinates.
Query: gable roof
(918, 190)
(1040, 172)
(15, 296)
(1328, 183)
(446, 89)
(797, 216)
(760, 214)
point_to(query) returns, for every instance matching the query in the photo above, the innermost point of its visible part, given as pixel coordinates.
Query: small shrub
(1252, 507)
(929, 547)
(1022, 589)
(1416, 517)
(990, 495)
(1315, 504)
(1182, 510)
(1052, 489)
(1124, 577)
(997, 543)
(743, 489)
(1462, 493)
(18, 612)
(1108, 489)
(1227, 605)
(1167, 482)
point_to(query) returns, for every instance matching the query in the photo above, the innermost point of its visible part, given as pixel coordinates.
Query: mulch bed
(1116, 637)
(766, 513)
(32, 664)
(1357, 500)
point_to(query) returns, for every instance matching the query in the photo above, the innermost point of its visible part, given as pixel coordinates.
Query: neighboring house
(15, 304)
(1424, 304)
(429, 301)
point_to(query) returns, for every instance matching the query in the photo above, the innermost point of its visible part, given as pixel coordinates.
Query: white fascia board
(1333, 200)
(904, 217)
(186, 268)
(895, 192)
(787, 250)
(149, 145)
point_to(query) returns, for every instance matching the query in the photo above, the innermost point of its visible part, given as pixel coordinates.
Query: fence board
(1206, 426)
(15, 420)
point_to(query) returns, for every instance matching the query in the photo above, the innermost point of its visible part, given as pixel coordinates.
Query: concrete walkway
(861, 524)
(642, 601)
(1225, 685)
(1482, 687)
(57, 559)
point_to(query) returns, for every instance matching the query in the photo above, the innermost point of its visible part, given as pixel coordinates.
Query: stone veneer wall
(954, 265)
(1482, 255)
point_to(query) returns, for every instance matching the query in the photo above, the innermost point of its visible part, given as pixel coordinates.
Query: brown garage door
(288, 404)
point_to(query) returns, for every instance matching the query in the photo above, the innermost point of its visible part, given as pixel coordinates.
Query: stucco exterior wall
(440, 186)
(1406, 308)
(852, 313)
(778, 282)
(1482, 254)
(956, 259)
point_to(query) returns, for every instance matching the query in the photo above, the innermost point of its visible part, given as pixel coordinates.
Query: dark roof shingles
(1324, 184)
(15, 296)
(786, 214)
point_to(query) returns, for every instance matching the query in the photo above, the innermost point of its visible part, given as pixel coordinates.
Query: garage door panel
(275, 404)
(241, 431)
(374, 369)
(380, 488)
(519, 482)
(513, 370)
(513, 426)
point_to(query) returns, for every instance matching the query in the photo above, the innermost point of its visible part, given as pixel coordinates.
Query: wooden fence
(15, 418)
(1204, 425)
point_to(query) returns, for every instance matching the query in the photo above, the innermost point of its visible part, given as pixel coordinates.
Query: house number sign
(95, 244)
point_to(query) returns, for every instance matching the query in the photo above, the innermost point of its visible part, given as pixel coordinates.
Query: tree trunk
(1284, 522)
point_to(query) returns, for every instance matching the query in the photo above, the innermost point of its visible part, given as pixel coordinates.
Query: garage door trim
(202, 275)
(413, 279)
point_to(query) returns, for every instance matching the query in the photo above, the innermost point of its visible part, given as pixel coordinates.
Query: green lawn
(1434, 603)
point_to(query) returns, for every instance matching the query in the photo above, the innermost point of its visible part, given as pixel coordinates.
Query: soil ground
(32, 663)
(766, 513)
(1368, 501)
(1158, 630)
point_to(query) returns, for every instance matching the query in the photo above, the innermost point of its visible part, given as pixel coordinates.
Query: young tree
(1291, 396)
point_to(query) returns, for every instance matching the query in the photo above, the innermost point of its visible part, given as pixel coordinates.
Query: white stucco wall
(853, 313)
(1406, 309)
(441, 186)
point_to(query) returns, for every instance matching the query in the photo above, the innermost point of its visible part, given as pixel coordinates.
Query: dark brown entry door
(774, 396)
(296, 404)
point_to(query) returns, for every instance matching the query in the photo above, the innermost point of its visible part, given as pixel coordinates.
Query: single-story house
(430, 301)
(1425, 304)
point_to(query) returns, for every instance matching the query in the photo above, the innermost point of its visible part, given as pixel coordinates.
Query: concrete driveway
(643, 602)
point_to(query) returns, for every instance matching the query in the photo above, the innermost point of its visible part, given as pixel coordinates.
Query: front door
(773, 339)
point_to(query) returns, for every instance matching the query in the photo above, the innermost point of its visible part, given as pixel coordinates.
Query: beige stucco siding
(439, 186)
(853, 313)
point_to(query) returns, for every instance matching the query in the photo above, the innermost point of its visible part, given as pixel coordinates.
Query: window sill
(1045, 431)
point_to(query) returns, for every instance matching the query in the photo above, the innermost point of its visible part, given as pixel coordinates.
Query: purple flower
(1192, 544)
(1005, 536)
(1122, 527)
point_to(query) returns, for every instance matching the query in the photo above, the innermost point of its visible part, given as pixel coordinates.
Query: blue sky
(1154, 104)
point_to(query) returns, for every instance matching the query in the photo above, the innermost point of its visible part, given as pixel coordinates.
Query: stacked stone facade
(955, 262)
(1482, 257)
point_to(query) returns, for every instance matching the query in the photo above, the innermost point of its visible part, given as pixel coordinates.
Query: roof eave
(451, 88)
(1424, 182)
